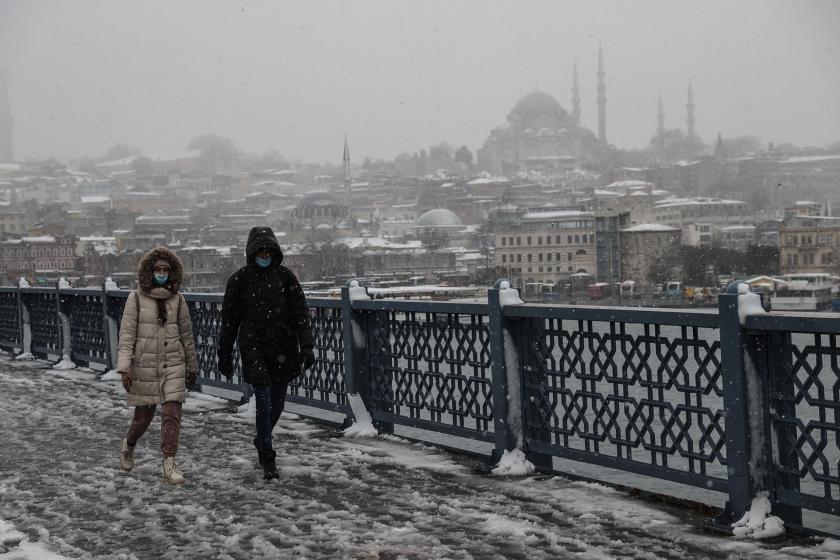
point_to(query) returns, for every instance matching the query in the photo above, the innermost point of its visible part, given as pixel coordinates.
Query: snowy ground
(63, 496)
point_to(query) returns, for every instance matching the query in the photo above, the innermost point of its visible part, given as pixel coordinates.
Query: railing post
(25, 323)
(110, 323)
(735, 404)
(354, 332)
(63, 306)
(504, 434)
(529, 336)
(782, 395)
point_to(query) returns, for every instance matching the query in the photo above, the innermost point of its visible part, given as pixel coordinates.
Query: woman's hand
(126, 381)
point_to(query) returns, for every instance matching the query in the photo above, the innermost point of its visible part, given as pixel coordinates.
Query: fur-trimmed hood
(145, 270)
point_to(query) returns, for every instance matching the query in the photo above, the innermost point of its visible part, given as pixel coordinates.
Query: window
(529, 240)
(539, 240)
(518, 240)
(519, 258)
(570, 256)
(504, 258)
(580, 252)
(548, 257)
(570, 240)
(530, 257)
(577, 239)
(504, 241)
(557, 257)
(540, 257)
(558, 239)
(540, 269)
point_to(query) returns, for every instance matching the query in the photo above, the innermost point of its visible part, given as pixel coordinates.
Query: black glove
(191, 377)
(226, 368)
(307, 357)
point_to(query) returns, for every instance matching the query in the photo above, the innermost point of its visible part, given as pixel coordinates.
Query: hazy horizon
(398, 77)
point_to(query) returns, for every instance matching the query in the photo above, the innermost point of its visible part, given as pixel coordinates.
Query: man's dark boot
(267, 460)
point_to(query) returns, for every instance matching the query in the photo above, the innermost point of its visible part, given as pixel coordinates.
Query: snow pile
(14, 544)
(359, 337)
(514, 389)
(249, 409)
(65, 363)
(513, 463)
(748, 303)
(758, 523)
(357, 292)
(63, 284)
(111, 375)
(362, 425)
(508, 295)
(22, 283)
(110, 284)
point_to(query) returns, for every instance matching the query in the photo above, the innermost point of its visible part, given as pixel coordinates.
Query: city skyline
(399, 78)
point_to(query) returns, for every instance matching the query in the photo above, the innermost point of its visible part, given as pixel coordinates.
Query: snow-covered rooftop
(647, 228)
(555, 214)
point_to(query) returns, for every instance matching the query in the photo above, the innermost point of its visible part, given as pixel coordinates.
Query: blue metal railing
(692, 397)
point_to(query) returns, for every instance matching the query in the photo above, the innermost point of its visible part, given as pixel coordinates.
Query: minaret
(660, 126)
(6, 124)
(602, 99)
(575, 96)
(347, 180)
(689, 121)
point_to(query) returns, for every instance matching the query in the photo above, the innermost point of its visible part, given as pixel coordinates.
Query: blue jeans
(270, 402)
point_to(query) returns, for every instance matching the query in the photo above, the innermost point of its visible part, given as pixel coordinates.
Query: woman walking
(156, 356)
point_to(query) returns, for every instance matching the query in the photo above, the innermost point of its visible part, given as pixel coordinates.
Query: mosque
(540, 135)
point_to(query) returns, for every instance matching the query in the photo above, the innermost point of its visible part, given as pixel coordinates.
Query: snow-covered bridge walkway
(62, 494)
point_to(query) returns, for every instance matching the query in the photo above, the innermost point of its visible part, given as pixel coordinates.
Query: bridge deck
(61, 492)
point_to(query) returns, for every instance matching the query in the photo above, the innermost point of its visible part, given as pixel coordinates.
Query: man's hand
(126, 381)
(307, 356)
(226, 368)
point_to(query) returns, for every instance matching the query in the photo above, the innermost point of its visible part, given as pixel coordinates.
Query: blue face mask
(263, 262)
(160, 279)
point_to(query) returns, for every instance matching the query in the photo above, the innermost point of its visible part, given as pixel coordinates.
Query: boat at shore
(803, 292)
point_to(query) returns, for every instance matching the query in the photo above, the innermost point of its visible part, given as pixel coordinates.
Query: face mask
(263, 262)
(160, 279)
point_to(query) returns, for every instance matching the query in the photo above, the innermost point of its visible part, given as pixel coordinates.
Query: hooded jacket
(156, 355)
(266, 309)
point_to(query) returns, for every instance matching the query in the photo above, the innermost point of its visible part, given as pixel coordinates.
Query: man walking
(265, 308)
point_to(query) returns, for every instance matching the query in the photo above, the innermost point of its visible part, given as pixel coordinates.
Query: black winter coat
(266, 309)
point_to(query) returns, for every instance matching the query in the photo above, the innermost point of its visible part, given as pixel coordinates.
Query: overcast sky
(401, 76)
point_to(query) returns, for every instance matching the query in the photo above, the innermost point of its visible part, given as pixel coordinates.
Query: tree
(143, 166)
(464, 155)
(119, 151)
(741, 145)
(220, 153)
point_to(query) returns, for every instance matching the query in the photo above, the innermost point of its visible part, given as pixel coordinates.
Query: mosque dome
(320, 198)
(440, 217)
(537, 102)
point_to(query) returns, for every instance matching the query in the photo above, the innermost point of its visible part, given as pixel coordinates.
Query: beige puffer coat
(157, 357)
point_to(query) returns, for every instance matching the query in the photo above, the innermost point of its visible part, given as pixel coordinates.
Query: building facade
(545, 247)
(809, 244)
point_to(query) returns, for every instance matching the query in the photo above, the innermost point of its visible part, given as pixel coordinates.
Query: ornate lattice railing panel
(431, 369)
(206, 315)
(804, 410)
(88, 332)
(323, 385)
(11, 333)
(45, 324)
(639, 394)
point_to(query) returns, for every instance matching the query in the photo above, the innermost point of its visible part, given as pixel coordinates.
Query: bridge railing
(691, 397)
